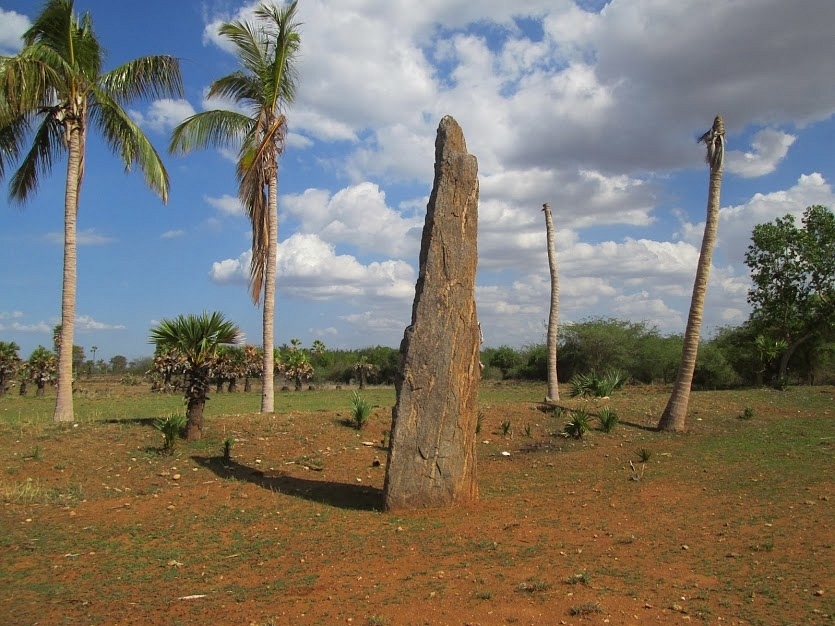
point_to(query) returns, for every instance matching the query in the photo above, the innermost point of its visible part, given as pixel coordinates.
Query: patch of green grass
(581, 578)
(31, 491)
(586, 608)
(536, 585)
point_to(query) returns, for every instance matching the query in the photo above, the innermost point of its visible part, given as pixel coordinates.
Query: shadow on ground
(341, 495)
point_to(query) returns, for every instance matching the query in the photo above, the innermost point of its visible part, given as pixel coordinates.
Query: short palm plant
(608, 418)
(197, 338)
(171, 428)
(360, 410)
(578, 424)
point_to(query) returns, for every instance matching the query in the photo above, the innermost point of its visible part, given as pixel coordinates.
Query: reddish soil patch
(290, 530)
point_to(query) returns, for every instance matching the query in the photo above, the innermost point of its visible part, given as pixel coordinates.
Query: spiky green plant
(578, 424)
(227, 449)
(360, 410)
(171, 428)
(581, 385)
(608, 418)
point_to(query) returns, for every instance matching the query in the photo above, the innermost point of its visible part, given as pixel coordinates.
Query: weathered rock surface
(432, 460)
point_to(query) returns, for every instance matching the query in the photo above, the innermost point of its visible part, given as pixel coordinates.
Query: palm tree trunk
(75, 173)
(553, 316)
(674, 416)
(268, 390)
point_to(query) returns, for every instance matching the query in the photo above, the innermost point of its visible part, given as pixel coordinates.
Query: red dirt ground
(290, 531)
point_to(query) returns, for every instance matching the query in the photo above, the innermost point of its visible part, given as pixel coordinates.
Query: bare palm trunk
(268, 390)
(553, 316)
(75, 173)
(675, 414)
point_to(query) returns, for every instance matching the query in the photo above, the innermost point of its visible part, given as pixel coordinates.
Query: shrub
(592, 384)
(360, 410)
(171, 428)
(578, 425)
(608, 419)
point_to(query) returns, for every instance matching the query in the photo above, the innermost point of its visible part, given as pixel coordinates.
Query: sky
(593, 107)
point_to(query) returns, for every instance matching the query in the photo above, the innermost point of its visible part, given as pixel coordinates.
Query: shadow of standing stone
(432, 460)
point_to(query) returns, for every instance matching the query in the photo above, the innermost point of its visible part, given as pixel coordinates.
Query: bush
(583, 385)
(172, 428)
(608, 419)
(578, 425)
(360, 411)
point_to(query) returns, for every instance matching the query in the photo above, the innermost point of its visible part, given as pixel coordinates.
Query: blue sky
(593, 107)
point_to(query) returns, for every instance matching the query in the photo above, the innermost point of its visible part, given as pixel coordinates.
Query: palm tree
(41, 368)
(675, 413)
(364, 368)
(264, 86)
(56, 82)
(553, 316)
(197, 338)
(10, 363)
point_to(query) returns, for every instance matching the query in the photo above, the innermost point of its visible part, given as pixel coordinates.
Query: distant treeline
(733, 357)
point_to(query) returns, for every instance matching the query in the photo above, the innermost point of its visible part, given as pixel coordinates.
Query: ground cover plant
(276, 518)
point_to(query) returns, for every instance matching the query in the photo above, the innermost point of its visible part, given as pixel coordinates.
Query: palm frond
(71, 38)
(714, 140)
(127, 140)
(145, 77)
(239, 87)
(249, 45)
(215, 129)
(284, 36)
(26, 84)
(253, 189)
(196, 337)
(13, 133)
(47, 143)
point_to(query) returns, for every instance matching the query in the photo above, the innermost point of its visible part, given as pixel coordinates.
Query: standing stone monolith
(432, 459)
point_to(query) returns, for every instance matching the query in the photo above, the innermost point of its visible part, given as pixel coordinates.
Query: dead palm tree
(56, 83)
(553, 315)
(263, 87)
(674, 416)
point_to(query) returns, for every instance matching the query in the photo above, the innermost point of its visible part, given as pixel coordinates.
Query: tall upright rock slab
(432, 459)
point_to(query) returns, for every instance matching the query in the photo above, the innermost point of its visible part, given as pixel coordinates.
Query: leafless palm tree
(675, 414)
(553, 316)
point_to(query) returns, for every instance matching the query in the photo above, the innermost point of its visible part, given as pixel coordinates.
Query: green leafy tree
(197, 338)
(10, 363)
(118, 364)
(54, 90)
(264, 86)
(41, 368)
(675, 413)
(793, 280)
(505, 358)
